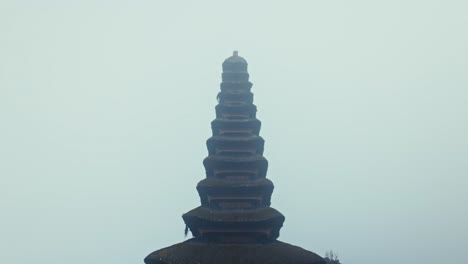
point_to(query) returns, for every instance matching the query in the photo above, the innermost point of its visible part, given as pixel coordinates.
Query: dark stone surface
(196, 252)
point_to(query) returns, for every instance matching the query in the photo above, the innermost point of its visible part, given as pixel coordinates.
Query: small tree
(331, 257)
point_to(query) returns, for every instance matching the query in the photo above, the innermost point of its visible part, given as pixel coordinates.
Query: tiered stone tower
(235, 195)
(235, 223)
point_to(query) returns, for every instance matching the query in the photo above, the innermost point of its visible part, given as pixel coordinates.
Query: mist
(105, 108)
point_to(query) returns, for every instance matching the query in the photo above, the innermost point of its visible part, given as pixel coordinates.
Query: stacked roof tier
(235, 196)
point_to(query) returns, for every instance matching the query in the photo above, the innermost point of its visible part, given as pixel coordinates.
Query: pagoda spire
(235, 196)
(234, 223)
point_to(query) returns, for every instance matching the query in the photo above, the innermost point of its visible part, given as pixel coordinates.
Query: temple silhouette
(235, 223)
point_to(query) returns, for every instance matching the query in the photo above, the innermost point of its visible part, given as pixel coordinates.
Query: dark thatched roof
(193, 251)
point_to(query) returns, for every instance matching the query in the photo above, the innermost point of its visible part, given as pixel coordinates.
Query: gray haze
(105, 107)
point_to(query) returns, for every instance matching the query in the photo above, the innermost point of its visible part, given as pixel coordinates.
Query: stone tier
(227, 195)
(235, 98)
(236, 128)
(235, 86)
(236, 112)
(235, 77)
(236, 168)
(242, 226)
(235, 146)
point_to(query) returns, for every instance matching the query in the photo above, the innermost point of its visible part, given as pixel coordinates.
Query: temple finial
(235, 53)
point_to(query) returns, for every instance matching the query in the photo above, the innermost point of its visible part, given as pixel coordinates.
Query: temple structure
(235, 223)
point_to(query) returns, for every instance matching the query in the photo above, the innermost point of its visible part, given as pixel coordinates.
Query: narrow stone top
(235, 63)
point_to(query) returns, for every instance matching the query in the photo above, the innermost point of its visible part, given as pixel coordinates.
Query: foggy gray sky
(105, 107)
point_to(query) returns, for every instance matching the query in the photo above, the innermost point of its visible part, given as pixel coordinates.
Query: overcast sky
(105, 108)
